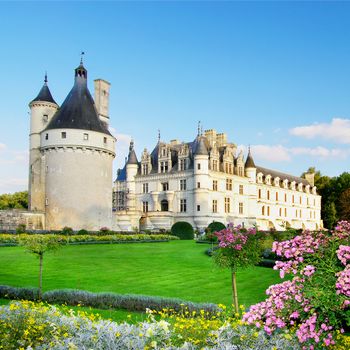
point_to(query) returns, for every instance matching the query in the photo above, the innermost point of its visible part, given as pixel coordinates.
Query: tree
(329, 215)
(238, 248)
(344, 205)
(17, 200)
(39, 245)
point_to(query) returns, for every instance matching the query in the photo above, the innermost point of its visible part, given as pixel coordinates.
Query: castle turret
(250, 168)
(131, 172)
(42, 108)
(78, 151)
(201, 182)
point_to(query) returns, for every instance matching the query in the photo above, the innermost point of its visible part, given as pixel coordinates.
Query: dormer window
(46, 136)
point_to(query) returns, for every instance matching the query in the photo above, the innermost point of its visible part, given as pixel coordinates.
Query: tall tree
(344, 205)
(17, 200)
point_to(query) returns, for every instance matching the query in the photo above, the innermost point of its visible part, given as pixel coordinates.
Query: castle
(205, 180)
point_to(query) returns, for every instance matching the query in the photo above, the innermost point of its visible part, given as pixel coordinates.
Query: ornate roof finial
(45, 80)
(131, 147)
(81, 57)
(158, 135)
(199, 128)
(202, 130)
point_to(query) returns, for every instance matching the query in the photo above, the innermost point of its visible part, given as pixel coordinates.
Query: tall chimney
(102, 99)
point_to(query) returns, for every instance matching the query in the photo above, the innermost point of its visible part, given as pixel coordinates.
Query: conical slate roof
(132, 158)
(78, 109)
(45, 94)
(201, 148)
(249, 163)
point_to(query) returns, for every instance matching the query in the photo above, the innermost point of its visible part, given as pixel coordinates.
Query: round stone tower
(42, 108)
(78, 151)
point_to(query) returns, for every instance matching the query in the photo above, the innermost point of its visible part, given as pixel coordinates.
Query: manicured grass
(174, 269)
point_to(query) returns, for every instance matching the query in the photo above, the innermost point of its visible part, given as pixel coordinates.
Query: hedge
(183, 230)
(130, 302)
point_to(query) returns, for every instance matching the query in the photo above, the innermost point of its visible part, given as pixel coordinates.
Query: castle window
(268, 211)
(259, 193)
(240, 171)
(144, 169)
(165, 186)
(164, 205)
(199, 166)
(227, 205)
(241, 189)
(163, 167)
(285, 197)
(105, 140)
(229, 184)
(215, 206)
(293, 199)
(276, 196)
(45, 118)
(240, 208)
(300, 200)
(46, 201)
(145, 207)
(86, 136)
(183, 185)
(46, 136)
(215, 185)
(280, 212)
(182, 164)
(268, 195)
(215, 165)
(63, 135)
(263, 210)
(285, 211)
(145, 188)
(183, 206)
(198, 185)
(198, 207)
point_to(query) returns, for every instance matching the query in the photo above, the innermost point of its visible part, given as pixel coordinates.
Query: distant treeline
(17, 200)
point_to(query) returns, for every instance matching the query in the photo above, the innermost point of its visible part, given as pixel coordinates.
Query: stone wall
(11, 219)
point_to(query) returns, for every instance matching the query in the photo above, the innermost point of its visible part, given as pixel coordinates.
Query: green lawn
(173, 269)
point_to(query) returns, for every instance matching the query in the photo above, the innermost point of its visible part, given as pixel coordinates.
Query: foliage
(27, 325)
(39, 245)
(238, 248)
(67, 230)
(83, 232)
(81, 239)
(316, 301)
(344, 205)
(183, 230)
(21, 228)
(17, 200)
(216, 226)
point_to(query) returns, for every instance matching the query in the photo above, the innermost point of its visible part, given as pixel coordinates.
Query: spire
(199, 128)
(249, 163)
(132, 159)
(158, 135)
(45, 94)
(81, 57)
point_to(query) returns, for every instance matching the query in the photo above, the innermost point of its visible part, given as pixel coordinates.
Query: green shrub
(216, 226)
(183, 230)
(67, 230)
(21, 228)
(83, 232)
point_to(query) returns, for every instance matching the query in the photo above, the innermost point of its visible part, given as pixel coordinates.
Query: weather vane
(81, 57)
(158, 135)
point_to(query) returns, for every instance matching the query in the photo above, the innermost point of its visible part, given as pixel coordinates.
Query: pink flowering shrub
(316, 301)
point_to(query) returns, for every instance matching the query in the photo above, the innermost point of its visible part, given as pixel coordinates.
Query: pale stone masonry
(206, 180)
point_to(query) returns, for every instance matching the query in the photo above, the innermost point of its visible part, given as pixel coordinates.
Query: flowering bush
(238, 248)
(316, 301)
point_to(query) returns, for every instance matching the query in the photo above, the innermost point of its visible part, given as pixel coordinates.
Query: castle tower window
(165, 186)
(63, 135)
(215, 206)
(164, 205)
(268, 195)
(215, 185)
(46, 136)
(268, 211)
(241, 189)
(240, 208)
(145, 207)
(276, 196)
(263, 210)
(199, 166)
(145, 188)
(86, 136)
(183, 185)
(198, 207)
(183, 206)
(45, 118)
(198, 185)
(105, 140)
(259, 193)
(227, 205)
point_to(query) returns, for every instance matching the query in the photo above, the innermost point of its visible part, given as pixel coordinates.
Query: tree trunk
(40, 276)
(234, 291)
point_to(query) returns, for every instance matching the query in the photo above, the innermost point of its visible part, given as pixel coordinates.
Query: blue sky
(275, 75)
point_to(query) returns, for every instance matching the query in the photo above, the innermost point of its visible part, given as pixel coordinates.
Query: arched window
(164, 205)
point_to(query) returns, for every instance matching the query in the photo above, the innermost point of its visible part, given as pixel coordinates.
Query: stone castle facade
(205, 180)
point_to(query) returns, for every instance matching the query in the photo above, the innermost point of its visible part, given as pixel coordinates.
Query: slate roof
(132, 158)
(45, 94)
(249, 163)
(282, 176)
(78, 110)
(121, 174)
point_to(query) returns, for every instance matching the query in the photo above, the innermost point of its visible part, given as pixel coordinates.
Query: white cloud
(279, 153)
(276, 153)
(2, 146)
(338, 130)
(13, 185)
